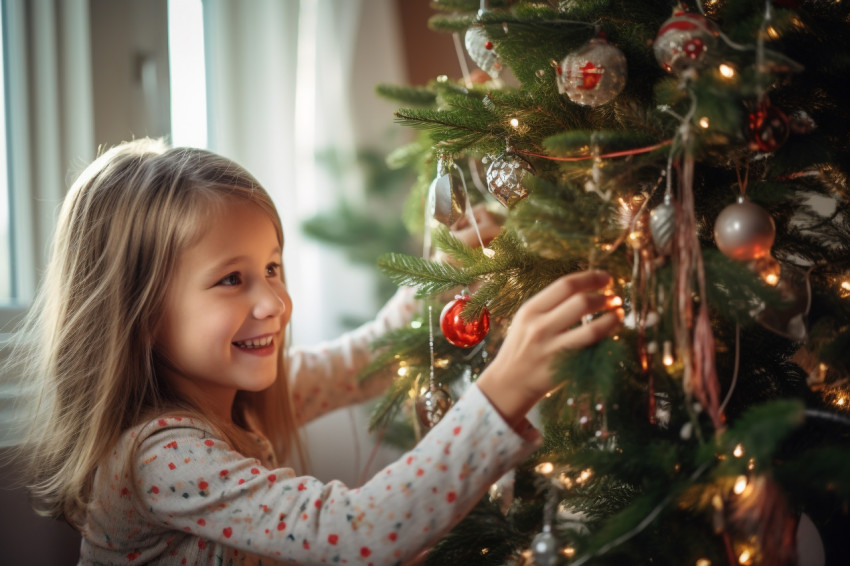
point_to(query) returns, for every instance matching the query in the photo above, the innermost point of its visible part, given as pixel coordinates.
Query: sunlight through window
(187, 73)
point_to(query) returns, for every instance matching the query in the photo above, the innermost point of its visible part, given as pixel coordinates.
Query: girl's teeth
(255, 343)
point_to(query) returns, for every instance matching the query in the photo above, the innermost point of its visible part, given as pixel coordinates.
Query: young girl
(169, 405)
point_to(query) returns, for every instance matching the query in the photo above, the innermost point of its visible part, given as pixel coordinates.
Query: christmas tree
(699, 153)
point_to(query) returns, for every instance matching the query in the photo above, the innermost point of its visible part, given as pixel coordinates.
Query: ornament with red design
(684, 40)
(744, 231)
(460, 332)
(480, 49)
(768, 128)
(594, 74)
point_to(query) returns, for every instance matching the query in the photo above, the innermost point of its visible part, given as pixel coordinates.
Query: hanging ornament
(432, 405)
(460, 332)
(480, 49)
(744, 231)
(594, 74)
(684, 40)
(544, 548)
(662, 225)
(768, 128)
(505, 176)
(447, 195)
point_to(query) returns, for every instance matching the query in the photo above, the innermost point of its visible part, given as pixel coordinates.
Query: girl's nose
(269, 304)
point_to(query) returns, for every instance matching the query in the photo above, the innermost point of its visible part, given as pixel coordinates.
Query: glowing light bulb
(544, 468)
(740, 485)
(703, 562)
(738, 451)
(402, 371)
(667, 358)
(745, 557)
(841, 401)
(514, 123)
(568, 551)
(703, 122)
(727, 71)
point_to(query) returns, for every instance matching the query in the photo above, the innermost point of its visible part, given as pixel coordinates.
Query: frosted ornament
(432, 406)
(481, 50)
(744, 231)
(662, 225)
(683, 41)
(504, 178)
(447, 198)
(594, 74)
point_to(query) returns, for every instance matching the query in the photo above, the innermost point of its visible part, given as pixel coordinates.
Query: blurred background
(284, 87)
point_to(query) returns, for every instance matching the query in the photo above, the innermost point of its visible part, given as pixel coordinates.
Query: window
(6, 293)
(187, 73)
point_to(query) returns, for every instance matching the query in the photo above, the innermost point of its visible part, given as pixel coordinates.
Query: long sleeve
(196, 501)
(323, 377)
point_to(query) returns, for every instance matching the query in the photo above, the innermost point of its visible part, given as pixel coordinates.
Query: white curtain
(287, 79)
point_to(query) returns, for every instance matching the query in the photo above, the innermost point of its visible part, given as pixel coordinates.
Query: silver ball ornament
(544, 549)
(432, 406)
(744, 231)
(594, 74)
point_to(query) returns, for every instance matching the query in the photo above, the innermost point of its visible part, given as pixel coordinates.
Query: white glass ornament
(480, 49)
(594, 74)
(744, 231)
(544, 548)
(684, 41)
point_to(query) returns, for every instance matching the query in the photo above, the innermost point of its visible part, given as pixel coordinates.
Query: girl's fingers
(564, 288)
(571, 311)
(587, 334)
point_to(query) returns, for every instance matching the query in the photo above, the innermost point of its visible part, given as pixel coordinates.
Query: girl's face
(226, 309)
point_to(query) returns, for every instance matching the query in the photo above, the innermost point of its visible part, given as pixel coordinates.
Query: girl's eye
(273, 270)
(230, 280)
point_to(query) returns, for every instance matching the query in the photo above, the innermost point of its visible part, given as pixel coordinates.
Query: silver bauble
(504, 179)
(662, 225)
(432, 406)
(594, 74)
(683, 41)
(480, 50)
(744, 231)
(447, 198)
(544, 548)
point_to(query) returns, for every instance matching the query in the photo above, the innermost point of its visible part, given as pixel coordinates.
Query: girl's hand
(547, 324)
(489, 225)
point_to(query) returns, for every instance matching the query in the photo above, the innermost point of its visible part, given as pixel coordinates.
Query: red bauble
(768, 128)
(460, 332)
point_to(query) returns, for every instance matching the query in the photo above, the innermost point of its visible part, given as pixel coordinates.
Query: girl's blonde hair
(87, 345)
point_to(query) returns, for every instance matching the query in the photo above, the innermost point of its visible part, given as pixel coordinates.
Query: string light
(727, 71)
(738, 451)
(667, 359)
(514, 123)
(703, 122)
(568, 551)
(703, 562)
(544, 468)
(740, 485)
(746, 557)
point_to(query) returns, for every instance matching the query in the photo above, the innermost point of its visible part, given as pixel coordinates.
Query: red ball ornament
(460, 332)
(768, 128)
